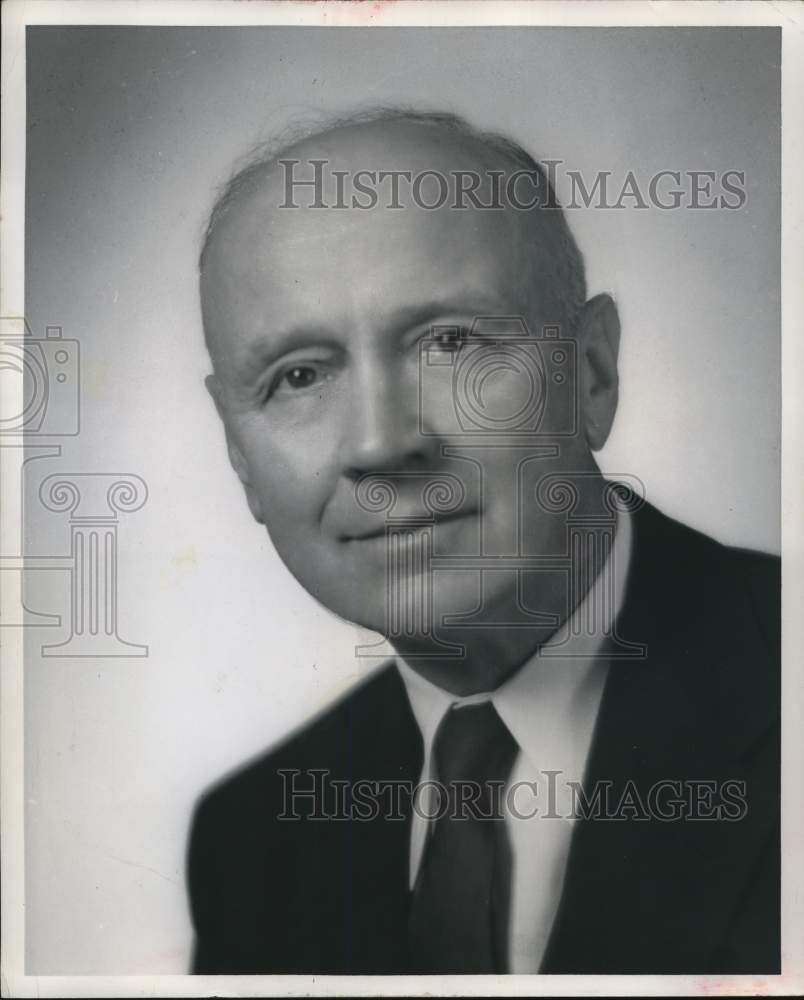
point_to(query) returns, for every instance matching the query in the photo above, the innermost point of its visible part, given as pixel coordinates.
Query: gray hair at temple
(568, 260)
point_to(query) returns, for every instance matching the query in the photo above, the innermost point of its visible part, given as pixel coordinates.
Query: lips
(414, 520)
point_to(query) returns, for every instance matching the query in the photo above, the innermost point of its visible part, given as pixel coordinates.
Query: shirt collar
(559, 686)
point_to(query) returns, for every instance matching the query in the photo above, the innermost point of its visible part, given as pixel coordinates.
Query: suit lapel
(385, 747)
(646, 895)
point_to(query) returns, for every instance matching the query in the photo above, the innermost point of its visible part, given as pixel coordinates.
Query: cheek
(293, 476)
(512, 507)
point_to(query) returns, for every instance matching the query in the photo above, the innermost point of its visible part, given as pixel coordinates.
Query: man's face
(316, 318)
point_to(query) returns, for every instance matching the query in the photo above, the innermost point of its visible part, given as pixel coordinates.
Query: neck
(485, 657)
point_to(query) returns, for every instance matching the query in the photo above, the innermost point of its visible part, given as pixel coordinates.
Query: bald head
(389, 161)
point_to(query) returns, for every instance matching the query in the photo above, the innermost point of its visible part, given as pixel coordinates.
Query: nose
(381, 431)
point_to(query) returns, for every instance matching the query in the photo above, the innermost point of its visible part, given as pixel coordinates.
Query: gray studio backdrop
(129, 132)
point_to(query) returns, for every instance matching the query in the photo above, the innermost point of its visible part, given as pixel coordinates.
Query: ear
(599, 344)
(236, 456)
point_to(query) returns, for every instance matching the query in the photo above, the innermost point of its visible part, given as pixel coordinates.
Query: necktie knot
(472, 743)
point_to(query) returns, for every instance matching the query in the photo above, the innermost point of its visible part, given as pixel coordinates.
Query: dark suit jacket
(640, 895)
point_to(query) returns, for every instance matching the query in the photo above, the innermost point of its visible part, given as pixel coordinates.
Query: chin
(357, 590)
(361, 607)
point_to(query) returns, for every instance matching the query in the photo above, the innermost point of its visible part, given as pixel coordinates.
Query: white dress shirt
(550, 707)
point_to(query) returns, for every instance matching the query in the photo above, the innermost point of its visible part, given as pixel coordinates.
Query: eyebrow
(469, 304)
(271, 347)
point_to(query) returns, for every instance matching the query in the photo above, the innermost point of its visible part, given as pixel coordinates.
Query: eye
(297, 381)
(299, 377)
(448, 338)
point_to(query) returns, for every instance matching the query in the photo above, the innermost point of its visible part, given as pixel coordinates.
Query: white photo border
(786, 14)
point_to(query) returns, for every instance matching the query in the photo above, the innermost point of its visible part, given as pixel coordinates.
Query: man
(572, 763)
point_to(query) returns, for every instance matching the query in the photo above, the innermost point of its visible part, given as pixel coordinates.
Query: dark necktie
(459, 910)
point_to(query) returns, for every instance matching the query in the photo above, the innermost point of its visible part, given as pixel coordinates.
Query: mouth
(411, 525)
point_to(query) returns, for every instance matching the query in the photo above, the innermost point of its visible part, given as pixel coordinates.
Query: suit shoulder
(760, 576)
(758, 569)
(702, 594)
(712, 561)
(317, 743)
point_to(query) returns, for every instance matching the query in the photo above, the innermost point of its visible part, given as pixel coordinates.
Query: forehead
(269, 265)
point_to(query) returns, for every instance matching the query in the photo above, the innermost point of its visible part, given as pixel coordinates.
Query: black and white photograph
(402, 498)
